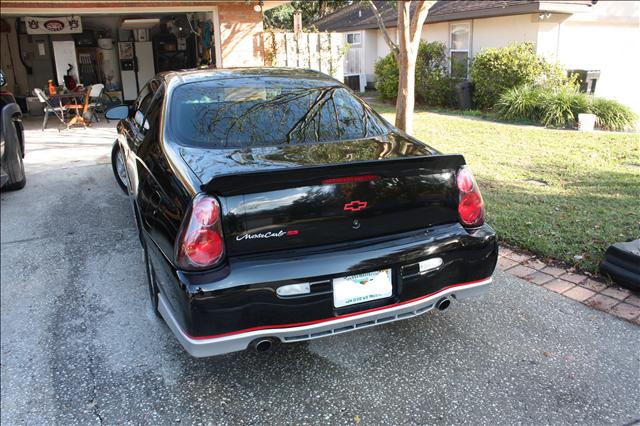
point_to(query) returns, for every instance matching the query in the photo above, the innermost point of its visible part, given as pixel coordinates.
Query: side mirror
(118, 112)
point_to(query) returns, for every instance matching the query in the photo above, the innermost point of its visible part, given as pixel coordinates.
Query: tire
(17, 178)
(12, 161)
(119, 173)
(151, 281)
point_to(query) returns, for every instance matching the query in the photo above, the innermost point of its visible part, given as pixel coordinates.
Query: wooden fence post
(319, 51)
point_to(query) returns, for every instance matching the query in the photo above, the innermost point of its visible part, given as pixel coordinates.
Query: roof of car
(232, 73)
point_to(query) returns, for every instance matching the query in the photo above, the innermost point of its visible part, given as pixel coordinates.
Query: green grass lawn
(589, 198)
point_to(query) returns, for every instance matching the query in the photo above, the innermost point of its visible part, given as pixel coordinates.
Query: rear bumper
(240, 340)
(240, 299)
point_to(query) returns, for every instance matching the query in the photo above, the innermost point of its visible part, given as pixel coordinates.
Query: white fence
(318, 51)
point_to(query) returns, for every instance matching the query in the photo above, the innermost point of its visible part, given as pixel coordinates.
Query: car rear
(311, 237)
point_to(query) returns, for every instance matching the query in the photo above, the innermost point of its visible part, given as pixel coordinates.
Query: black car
(12, 174)
(274, 205)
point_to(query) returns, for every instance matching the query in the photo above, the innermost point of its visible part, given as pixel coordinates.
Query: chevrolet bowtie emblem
(355, 206)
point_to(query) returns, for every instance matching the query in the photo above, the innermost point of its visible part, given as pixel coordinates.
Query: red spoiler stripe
(300, 324)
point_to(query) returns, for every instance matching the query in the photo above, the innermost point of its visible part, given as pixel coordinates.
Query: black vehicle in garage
(12, 174)
(274, 205)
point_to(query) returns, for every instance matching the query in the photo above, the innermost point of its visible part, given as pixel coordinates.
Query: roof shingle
(359, 15)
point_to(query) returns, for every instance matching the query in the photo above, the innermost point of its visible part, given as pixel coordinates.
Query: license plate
(361, 288)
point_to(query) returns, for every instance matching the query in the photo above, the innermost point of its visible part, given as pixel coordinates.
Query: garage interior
(120, 51)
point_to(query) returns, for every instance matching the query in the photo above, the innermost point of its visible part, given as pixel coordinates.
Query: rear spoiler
(269, 180)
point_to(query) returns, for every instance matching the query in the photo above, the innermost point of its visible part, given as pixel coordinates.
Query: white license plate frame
(361, 288)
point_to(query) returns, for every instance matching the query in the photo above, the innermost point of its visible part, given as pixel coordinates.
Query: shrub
(520, 103)
(433, 84)
(560, 107)
(387, 72)
(612, 115)
(553, 107)
(494, 71)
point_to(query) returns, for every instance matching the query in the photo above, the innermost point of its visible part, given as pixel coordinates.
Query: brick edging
(597, 294)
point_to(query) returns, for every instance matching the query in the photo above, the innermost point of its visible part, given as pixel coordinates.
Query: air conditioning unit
(587, 79)
(356, 82)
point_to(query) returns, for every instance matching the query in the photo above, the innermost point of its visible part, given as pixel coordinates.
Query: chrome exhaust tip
(263, 345)
(443, 303)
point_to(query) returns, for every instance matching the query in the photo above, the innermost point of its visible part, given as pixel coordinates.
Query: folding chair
(95, 99)
(49, 106)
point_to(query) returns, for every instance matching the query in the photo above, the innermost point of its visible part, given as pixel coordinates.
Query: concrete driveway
(80, 344)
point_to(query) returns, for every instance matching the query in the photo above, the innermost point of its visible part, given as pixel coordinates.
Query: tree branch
(417, 21)
(404, 28)
(392, 46)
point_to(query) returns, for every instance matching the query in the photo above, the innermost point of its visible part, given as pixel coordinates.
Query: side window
(146, 90)
(152, 122)
(154, 108)
(141, 105)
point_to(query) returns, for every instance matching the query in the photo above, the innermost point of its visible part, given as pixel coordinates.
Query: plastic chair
(49, 106)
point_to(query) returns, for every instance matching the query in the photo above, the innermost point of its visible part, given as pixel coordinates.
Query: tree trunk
(406, 93)
(407, 66)
(409, 30)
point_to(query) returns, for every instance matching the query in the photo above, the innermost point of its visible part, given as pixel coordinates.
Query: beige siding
(612, 49)
(436, 32)
(503, 30)
(383, 49)
(370, 46)
(606, 38)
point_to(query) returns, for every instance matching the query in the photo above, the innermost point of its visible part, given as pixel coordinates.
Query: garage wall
(241, 35)
(15, 72)
(37, 53)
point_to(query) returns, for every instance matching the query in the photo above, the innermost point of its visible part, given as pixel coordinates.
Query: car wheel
(17, 177)
(153, 287)
(118, 166)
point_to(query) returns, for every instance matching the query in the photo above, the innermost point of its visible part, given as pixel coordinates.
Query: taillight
(470, 205)
(200, 244)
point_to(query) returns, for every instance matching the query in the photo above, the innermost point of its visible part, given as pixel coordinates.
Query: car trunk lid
(310, 195)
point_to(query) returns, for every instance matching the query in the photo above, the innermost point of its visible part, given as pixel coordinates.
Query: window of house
(354, 38)
(354, 57)
(459, 52)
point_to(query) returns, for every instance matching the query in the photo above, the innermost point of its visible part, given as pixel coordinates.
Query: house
(597, 36)
(121, 43)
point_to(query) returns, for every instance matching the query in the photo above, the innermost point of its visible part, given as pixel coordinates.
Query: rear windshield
(238, 113)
